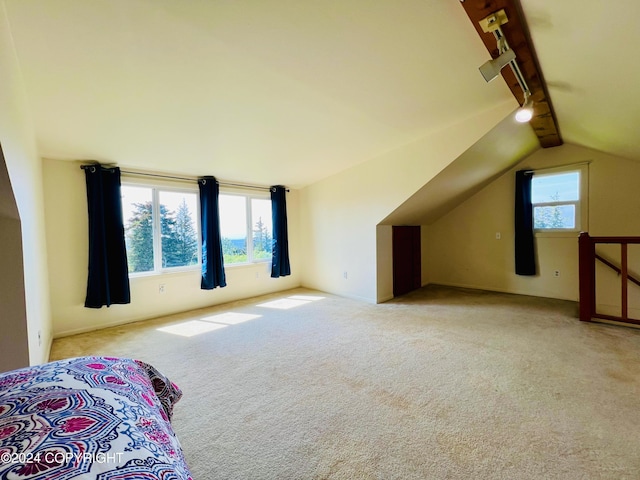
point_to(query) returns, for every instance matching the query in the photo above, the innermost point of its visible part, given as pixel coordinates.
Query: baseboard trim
(48, 349)
(386, 298)
(498, 290)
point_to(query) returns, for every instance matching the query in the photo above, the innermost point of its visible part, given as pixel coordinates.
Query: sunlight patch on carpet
(191, 328)
(311, 298)
(290, 302)
(230, 318)
(208, 324)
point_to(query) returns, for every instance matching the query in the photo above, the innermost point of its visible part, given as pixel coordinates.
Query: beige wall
(462, 249)
(384, 245)
(339, 215)
(66, 213)
(25, 171)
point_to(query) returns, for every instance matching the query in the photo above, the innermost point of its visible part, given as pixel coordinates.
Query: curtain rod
(531, 172)
(175, 177)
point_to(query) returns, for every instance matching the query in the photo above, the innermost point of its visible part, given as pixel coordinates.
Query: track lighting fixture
(491, 69)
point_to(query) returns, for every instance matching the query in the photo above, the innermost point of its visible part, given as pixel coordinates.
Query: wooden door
(407, 272)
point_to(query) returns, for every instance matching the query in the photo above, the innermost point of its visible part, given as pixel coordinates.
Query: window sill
(247, 265)
(197, 269)
(558, 234)
(177, 271)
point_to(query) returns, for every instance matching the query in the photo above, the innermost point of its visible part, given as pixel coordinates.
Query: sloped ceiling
(588, 54)
(269, 91)
(496, 152)
(290, 91)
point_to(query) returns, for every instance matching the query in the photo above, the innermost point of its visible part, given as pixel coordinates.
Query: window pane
(233, 228)
(559, 216)
(137, 213)
(179, 228)
(557, 187)
(261, 227)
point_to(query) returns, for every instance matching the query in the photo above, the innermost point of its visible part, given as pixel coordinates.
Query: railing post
(587, 274)
(623, 282)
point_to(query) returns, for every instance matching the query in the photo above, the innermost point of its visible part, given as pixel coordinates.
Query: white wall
(462, 249)
(67, 241)
(25, 172)
(384, 245)
(339, 214)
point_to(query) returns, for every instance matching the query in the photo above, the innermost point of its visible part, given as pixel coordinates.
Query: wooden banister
(587, 276)
(617, 269)
(613, 239)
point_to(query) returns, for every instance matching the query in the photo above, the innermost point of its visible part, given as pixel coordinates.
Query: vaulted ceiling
(289, 91)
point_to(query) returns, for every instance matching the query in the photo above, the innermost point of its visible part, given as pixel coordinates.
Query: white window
(245, 228)
(161, 228)
(559, 198)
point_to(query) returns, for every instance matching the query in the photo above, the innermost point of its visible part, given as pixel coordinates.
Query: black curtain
(212, 260)
(525, 253)
(108, 280)
(280, 266)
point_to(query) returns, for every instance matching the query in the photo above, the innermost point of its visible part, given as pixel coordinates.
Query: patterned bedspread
(89, 418)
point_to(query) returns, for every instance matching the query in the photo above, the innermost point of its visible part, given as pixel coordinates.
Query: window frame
(248, 196)
(156, 188)
(581, 204)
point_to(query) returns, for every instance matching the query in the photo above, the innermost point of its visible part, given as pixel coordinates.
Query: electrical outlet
(39, 338)
(556, 273)
(498, 235)
(161, 288)
(344, 274)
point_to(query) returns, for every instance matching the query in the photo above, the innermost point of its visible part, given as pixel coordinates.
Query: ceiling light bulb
(525, 112)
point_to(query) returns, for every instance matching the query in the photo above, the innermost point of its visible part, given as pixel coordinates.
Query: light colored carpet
(440, 384)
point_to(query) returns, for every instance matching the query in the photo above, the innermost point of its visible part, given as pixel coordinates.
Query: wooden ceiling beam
(516, 33)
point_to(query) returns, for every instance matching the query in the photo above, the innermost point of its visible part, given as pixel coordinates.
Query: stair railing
(587, 276)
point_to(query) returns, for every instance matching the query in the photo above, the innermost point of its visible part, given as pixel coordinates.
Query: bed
(97, 418)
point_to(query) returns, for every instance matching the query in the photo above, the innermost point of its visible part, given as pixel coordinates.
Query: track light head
(491, 69)
(525, 112)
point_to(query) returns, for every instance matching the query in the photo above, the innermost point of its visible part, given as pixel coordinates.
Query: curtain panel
(524, 241)
(212, 259)
(280, 266)
(108, 279)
